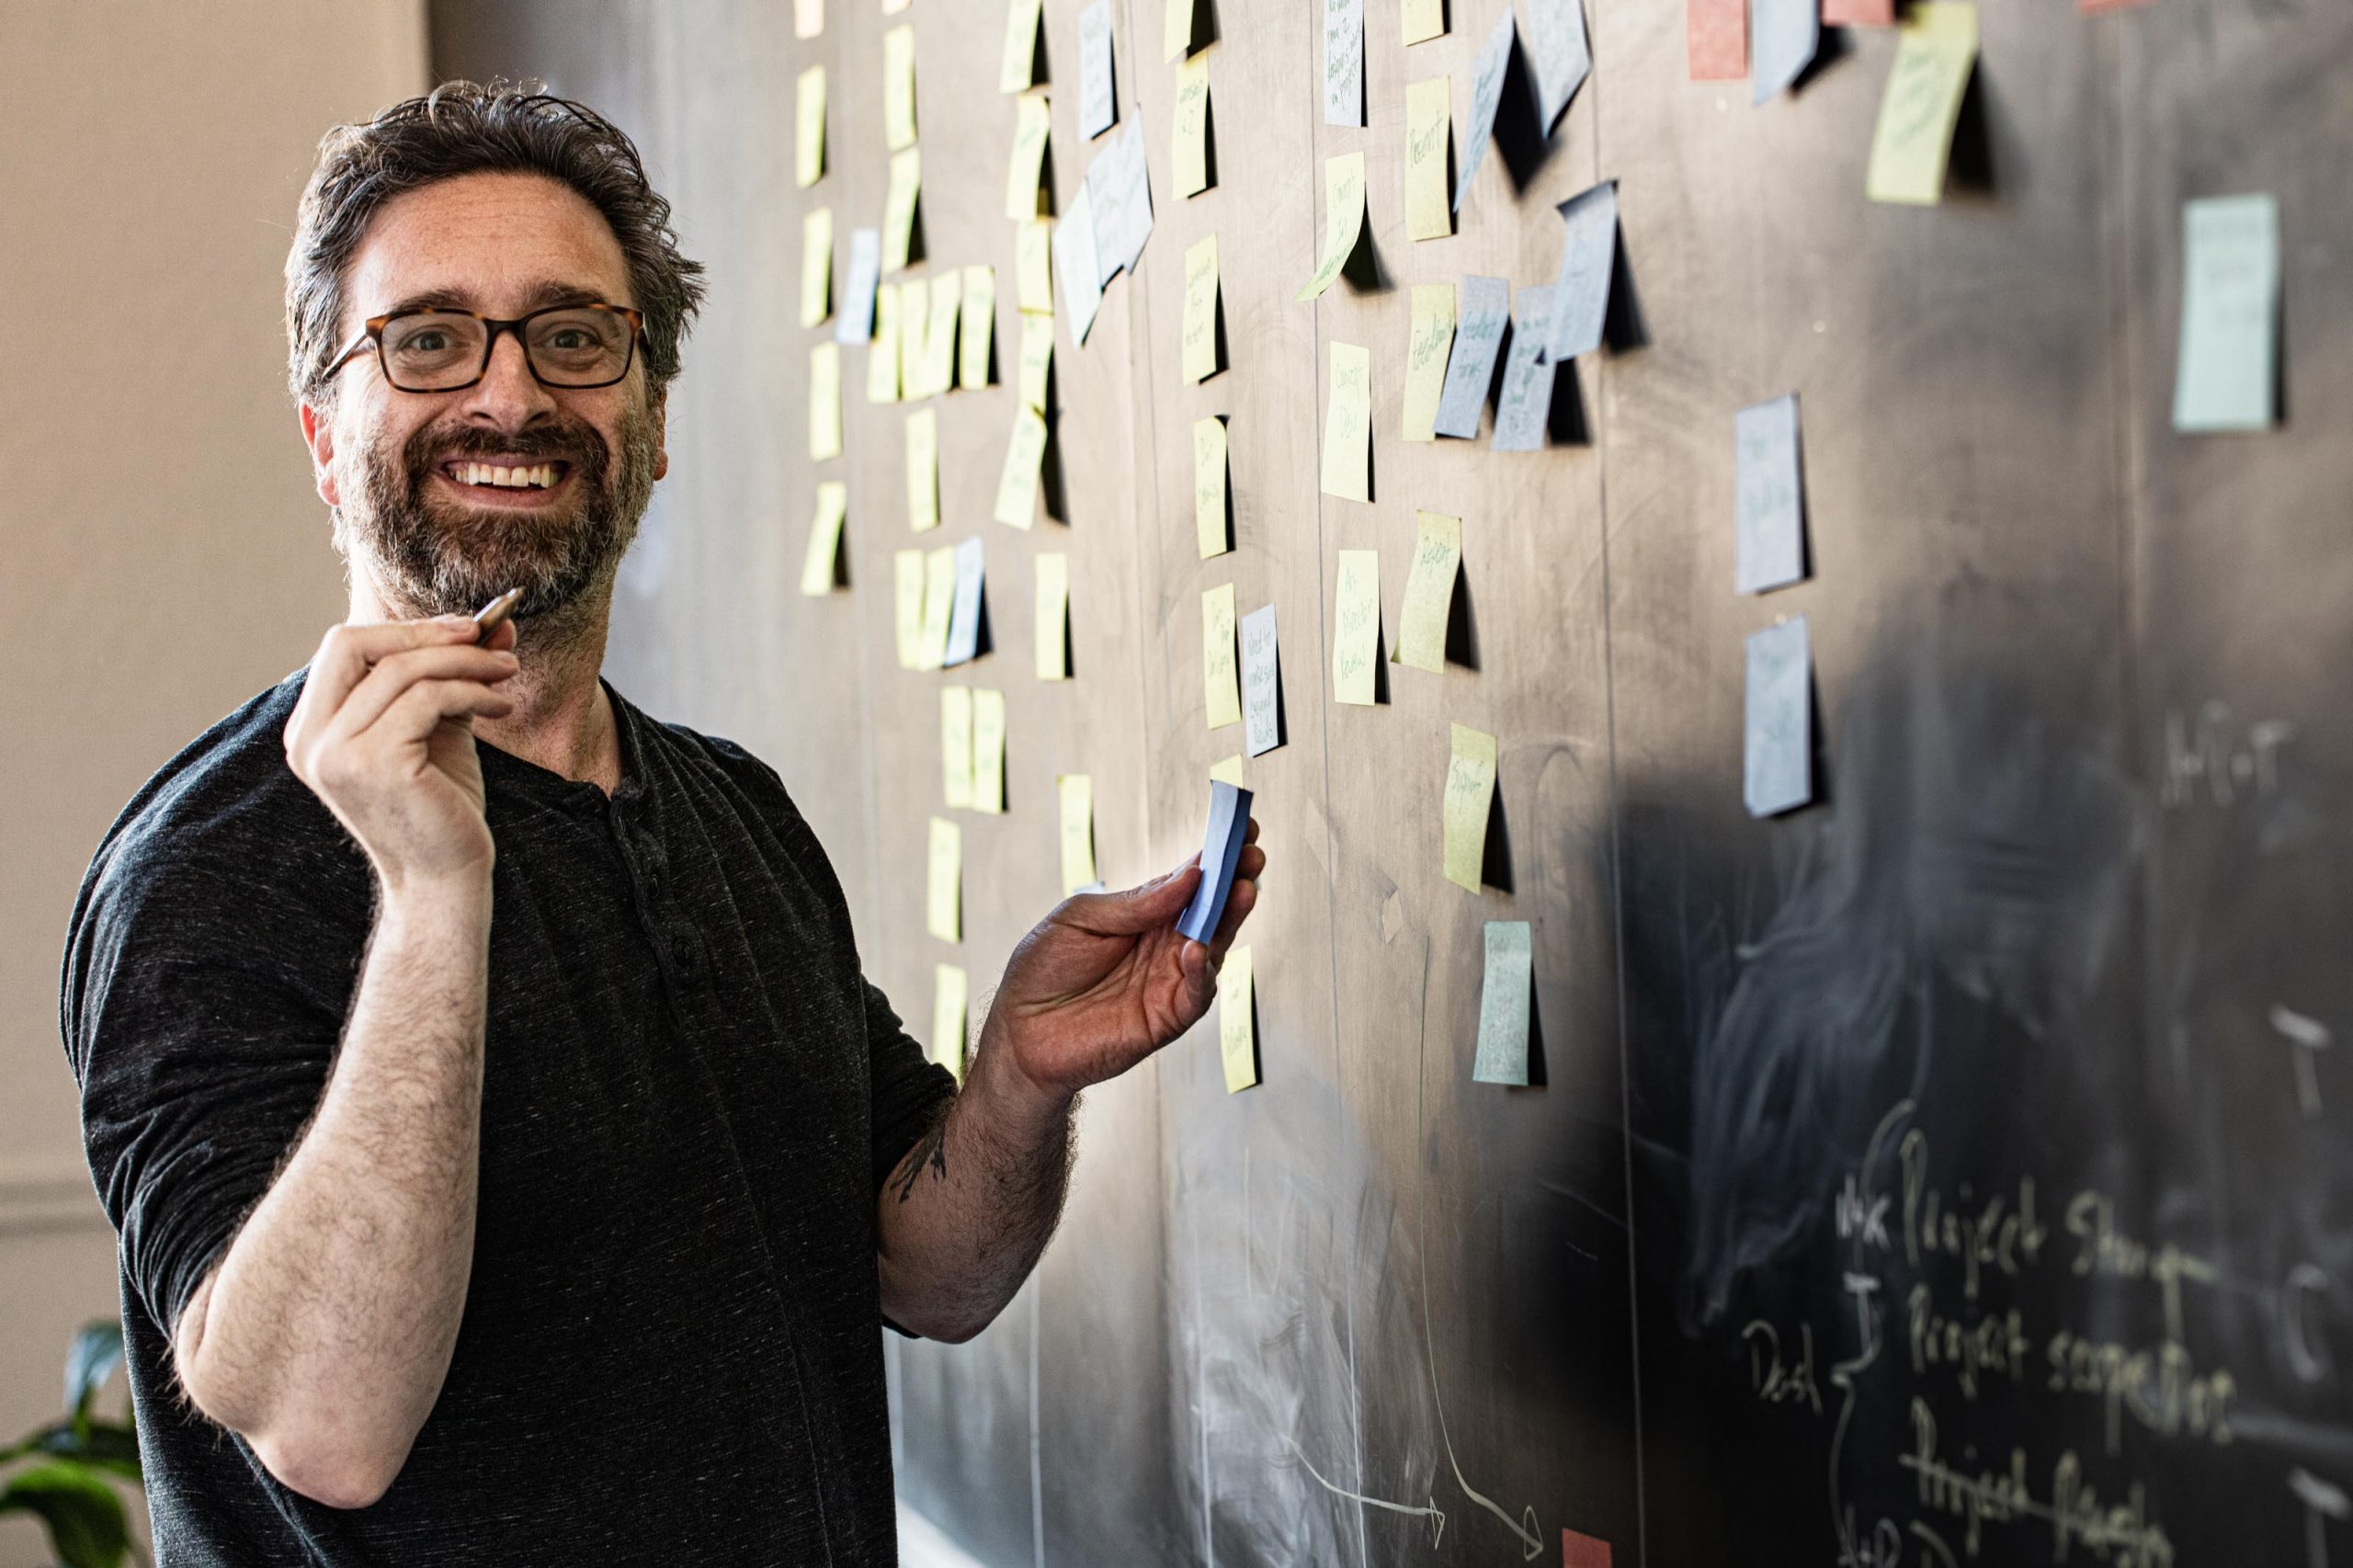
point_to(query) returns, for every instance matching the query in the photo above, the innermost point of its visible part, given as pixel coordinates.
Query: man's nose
(508, 395)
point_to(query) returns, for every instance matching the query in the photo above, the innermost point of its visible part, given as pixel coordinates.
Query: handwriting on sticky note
(1209, 486)
(1262, 702)
(1227, 770)
(899, 86)
(956, 745)
(988, 750)
(883, 349)
(1777, 769)
(940, 336)
(1524, 405)
(1075, 264)
(1237, 1035)
(1347, 424)
(1769, 505)
(1343, 220)
(816, 266)
(1715, 39)
(1199, 336)
(1488, 73)
(1051, 620)
(1189, 129)
(1559, 58)
(944, 906)
(809, 127)
(938, 605)
(1485, 309)
(1033, 273)
(1356, 626)
(1096, 105)
(2226, 377)
(1503, 1004)
(1025, 455)
(1037, 361)
(1344, 61)
(824, 400)
(1580, 303)
(1787, 33)
(1428, 108)
(1221, 680)
(976, 338)
(1429, 337)
(1075, 793)
(899, 208)
(1017, 67)
(951, 998)
(923, 470)
(908, 570)
(1024, 194)
(914, 337)
(1470, 793)
(964, 624)
(1121, 187)
(819, 565)
(854, 321)
(1936, 49)
(1429, 592)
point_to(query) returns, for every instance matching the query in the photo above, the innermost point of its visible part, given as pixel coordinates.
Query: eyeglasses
(442, 350)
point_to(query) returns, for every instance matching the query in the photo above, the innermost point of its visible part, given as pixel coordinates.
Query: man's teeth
(539, 477)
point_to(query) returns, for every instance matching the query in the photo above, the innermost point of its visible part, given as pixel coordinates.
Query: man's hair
(463, 127)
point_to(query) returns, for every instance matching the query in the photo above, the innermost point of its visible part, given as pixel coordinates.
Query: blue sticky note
(1221, 851)
(964, 619)
(1503, 1004)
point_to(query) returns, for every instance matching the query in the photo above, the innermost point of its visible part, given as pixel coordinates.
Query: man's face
(404, 470)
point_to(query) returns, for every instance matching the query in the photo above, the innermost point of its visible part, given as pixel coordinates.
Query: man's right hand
(384, 734)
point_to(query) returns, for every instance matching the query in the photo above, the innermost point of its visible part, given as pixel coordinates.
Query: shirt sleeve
(909, 1092)
(201, 1017)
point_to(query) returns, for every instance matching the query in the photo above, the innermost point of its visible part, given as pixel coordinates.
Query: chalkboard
(1953, 1170)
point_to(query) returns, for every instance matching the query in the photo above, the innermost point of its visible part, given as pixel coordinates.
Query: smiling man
(511, 1161)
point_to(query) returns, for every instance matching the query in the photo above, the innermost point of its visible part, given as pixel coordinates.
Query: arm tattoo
(931, 1149)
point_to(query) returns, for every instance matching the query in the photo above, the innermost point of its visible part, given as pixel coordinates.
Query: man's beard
(430, 557)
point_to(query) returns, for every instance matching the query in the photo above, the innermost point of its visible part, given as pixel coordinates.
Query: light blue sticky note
(1261, 683)
(1096, 106)
(1503, 1004)
(1525, 404)
(1559, 59)
(1787, 33)
(964, 621)
(1221, 852)
(2227, 377)
(1487, 75)
(1484, 307)
(1119, 188)
(855, 323)
(1588, 257)
(1777, 770)
(1769, 500)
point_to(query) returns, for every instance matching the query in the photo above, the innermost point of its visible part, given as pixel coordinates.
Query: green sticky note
(1933, 54)
(1503, 1004)
(1470, 791)
(2227, 377)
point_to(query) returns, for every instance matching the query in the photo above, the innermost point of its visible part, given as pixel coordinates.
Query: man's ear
(318, 434)
(662, 434)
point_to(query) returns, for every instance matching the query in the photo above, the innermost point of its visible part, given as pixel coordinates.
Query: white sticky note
(854, 322)
(2227, 374)
(1343, 62)
(1075, 265)
(1771, 505)
(1098, 107)
(964, 621)
(1261, 683)
(1778, 772)
(1120, 187)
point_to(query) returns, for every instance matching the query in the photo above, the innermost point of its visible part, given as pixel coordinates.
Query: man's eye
(425, 342)
(570, 338)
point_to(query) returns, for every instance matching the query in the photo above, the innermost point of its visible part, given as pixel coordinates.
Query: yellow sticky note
(1189, 129)
(883, 348)
(988, 751)
(908, 571)
(1200, 309)
(1356, 626)
(976, 340)
(899, 208)
(951, 997)
(824, 400)
(1033, 267)
(1429, 592)
(1177, 30)
(1053, 618)
(816, 266)
(1023, 197)
(1237, 1036)
(1935, 50)
(923, 470)
(944, 906)
(914, 335)
(1209, 486)
(939, 338)
(1018, 68)
(1428, 215)
(1347, 424)
(1017, 485)
(1424, 19)
(899, 86)
(938, 606)
(818, 565)
(1220, 670)
(1227, 770)
(1470, 790)
(1343, 219)
(1037, 361)
(809, 127)
(956, 745)
(1076, 792)
(808, 17)
(1428, 340)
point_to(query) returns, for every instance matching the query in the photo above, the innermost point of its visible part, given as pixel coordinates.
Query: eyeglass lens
(433, 351)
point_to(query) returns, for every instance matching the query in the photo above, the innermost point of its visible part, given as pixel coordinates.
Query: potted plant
(63, 1471)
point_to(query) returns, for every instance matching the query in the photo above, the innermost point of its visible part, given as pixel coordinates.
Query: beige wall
(164, 555)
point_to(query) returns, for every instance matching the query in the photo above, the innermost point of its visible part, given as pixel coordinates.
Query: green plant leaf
(95, 1352)
(88, 1526)
(106, 1445)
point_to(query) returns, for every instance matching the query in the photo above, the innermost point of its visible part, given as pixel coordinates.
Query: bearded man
(511, 1161)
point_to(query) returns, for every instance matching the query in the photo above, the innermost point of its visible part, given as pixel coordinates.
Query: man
(511, 1162)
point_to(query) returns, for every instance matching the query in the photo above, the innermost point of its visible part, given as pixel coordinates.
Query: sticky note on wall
(1261, 683)
(899, 208)
(1347, 424)
(1786, 35)
(1356, 626)
(1237, 1032)
(1036, 373)
(1423, 19)
(1077, 265)
(1488, 73)
(1429, 337)
(1559, 57)
(809, 127)
(1210, 530)
(964, 616)
(988, 750)
(1429, 124)
(1769, 501)
(1188, 161)
(940, 336)
(1715, 40)
(899, 86)
(2227, 376)
(819, 563)
(1097, 106)
(1935, 51)
(1343, 62)
(938, 606)
(1580, 298)
(1076, 793)
(956, 745)
(1343, 220)
(1016, 485)
(944, 899)
(1429, 592)
(1503, 1004)
(824, 402)
(1176, 29)
(976, 331)
(1033, 271)
(1485, 311)
(908, 574)
(1023, 194)
(1583, 1550)
(923, 470)
(951, 1010)
(883, 349)
(1470, 793)
(1777, 766)
(1221, 681)
(1017, 67)
(1051, 620)
(1524, 401)
(816, 266)
(854, 322)
(1199, 343)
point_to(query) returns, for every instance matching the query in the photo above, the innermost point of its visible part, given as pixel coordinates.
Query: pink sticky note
(1858, 13)
(1715, 40)
(1583, 1550)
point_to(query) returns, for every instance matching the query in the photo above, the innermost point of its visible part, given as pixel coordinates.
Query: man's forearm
(324, 1333)
(965, 1215)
